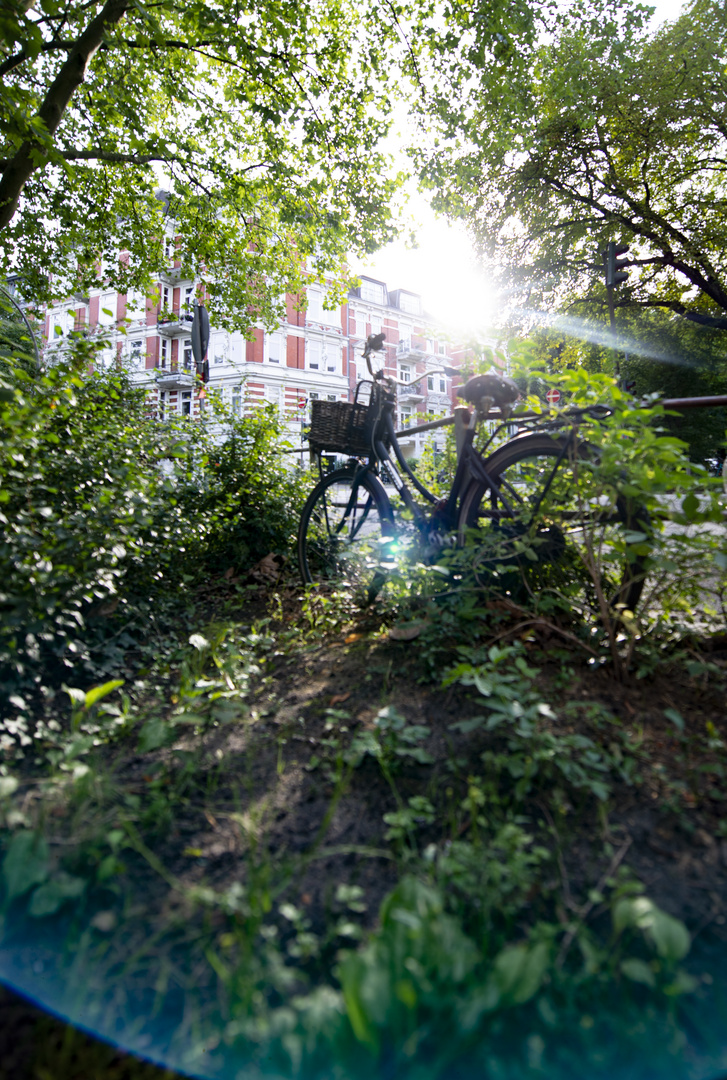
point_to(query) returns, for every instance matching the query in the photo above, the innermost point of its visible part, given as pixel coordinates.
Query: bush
(105, 512)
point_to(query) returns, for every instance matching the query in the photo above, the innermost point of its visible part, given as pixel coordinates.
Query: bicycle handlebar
(375, 343)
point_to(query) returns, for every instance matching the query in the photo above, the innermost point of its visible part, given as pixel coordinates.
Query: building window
(186, 403)
(188, 299)
(375, 321)
(404, 372)
(442, 348)
(165, 301)
(331, 397)
(61, 324)
(218, 349)
(372, 292)
(236, 400)
(409, 303)
(136, 352)
(313, 305)
(187, 355)
(332, 357)
(135, 304)
(315, 311)
(163, 352)
(405, 415)
(360, 324)
(162, 404)
(314, 355)
(274, 348)
(107, 309)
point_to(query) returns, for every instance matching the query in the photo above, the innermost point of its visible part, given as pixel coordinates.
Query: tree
(609, 133)
(262, 121)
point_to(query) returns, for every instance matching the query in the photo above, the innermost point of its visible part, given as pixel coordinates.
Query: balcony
(181, 377)
(172, 275)
(174, 324)
(410, 394)
(406, 351)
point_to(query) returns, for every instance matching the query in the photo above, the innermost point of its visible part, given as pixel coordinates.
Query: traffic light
(615, 272)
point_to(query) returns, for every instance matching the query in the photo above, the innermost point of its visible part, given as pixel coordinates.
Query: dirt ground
(275, 784)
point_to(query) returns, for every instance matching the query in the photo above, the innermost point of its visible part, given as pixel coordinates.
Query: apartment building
(313, 353)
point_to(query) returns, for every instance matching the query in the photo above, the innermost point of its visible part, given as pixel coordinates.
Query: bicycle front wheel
(346, 533)
(553, 524)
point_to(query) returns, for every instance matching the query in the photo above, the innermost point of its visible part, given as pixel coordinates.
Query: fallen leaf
(211, 819)
(406, 631)
(351, 638)
(337, 699)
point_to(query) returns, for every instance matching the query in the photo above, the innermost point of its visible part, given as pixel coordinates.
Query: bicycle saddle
(502, 390)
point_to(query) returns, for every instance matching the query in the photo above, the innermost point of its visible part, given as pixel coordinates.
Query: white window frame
(409, 303)
(107, 302)
(164, 353)
(281, 340)
(372, 292)
(187, 354)
(137, 353)
(405, 372)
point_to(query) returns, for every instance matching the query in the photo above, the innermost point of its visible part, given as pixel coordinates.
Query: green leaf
(676, 718)
(154, 733)
(520, 969)
(25, 863)
(669, 935)
(638, 971)
(49, 897)
(97, 692)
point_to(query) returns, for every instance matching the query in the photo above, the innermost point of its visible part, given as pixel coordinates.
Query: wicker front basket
(340, 426)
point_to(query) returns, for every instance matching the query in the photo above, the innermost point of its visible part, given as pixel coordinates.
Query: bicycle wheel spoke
(546, 523)
(345, 531)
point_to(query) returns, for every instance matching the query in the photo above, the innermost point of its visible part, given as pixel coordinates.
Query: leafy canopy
(609, 132)
(263, 120)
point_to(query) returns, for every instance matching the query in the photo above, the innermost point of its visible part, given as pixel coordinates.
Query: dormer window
(372, 292)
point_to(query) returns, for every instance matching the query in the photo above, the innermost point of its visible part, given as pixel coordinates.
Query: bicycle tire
(346, 532)
(579, 536)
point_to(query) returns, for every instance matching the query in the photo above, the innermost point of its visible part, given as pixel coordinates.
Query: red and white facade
(314, 353)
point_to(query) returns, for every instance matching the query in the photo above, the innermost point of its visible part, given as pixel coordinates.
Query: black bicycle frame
(470, 466)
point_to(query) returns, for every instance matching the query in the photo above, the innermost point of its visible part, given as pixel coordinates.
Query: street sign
(553, 396)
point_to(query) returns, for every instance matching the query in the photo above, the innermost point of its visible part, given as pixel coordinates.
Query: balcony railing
(411, 394)
(174, 323)
(180, 376)
(406, 351)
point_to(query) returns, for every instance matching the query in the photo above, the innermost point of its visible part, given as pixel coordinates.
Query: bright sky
(443, 268)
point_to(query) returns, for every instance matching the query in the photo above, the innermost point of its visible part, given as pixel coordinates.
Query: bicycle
(526, 503)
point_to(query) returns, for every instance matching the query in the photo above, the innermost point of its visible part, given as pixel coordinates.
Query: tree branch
(34, 153)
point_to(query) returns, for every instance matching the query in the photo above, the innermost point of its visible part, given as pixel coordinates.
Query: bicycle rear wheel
(346, 533)
(553, 523)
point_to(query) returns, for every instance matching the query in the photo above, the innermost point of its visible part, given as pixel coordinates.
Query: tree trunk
(33, 153)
